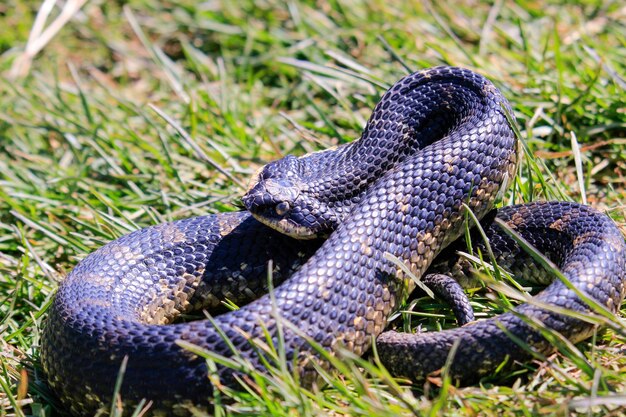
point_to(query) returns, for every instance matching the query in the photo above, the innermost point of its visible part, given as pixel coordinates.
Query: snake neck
(310, 196)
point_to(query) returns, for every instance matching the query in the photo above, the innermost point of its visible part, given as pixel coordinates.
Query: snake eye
(282, 208)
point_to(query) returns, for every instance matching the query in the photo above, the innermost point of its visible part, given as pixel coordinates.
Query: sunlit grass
(149, 112)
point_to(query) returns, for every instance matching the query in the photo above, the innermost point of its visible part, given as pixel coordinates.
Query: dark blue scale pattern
(437, 139)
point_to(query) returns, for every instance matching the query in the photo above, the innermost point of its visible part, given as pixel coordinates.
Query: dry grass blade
(41, 35)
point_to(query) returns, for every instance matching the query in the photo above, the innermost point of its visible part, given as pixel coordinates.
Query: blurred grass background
(115, 115)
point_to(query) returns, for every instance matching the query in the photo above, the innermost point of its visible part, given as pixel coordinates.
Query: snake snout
(271, 201)
(271, 196)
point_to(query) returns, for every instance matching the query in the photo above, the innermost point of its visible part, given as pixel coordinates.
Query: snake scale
(437, 141)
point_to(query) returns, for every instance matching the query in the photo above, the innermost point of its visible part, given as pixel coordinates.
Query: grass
(143, 111)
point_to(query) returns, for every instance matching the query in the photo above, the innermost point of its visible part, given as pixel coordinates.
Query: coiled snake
(437, 140)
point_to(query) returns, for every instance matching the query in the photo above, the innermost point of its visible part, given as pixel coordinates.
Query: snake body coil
(438, 139)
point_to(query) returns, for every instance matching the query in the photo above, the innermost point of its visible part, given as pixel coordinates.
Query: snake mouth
(286, 226)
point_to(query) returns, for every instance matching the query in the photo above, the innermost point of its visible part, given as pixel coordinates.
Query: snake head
(280, 198)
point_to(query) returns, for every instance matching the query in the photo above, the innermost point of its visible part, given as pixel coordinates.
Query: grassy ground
(144, 111)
